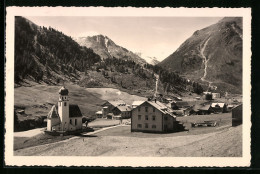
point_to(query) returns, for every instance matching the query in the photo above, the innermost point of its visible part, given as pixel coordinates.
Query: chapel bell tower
(63, 108)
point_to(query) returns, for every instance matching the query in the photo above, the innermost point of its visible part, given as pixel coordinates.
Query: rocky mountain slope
(106, 48)
(212, 55)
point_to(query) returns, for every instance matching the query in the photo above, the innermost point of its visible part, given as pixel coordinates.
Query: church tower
(63, 108)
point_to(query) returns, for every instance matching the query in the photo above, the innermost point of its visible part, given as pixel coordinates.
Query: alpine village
(93, 97)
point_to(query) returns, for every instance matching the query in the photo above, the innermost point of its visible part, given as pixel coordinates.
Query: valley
(96, 70)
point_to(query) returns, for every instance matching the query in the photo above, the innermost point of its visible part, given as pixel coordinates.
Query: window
(75, 121)
(146, 117)
(146, 109)
(146, 125)
(154, 126)
(139, 126)
(165, 118)
(70, 121)
(153, 117)
(65, 104)
(165, 127)
(153, 109)
(139, 109)
(139, 117)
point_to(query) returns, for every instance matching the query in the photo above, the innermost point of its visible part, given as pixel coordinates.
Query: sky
(151, 36)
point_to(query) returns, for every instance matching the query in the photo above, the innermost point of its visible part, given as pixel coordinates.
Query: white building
(63, 116)
(153, 116)
(215, 95)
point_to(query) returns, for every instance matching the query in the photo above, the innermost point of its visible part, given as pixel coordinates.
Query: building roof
(221, 105)
(137, 103)
(115, 102)
(204, 108)
(181, 103)
(196, 107)
(63, 91)
(124, 108)
(161, 107)
(74, 110)
(231, 106)
(237, 107)
(53, 113)
(169, 99)
(99, 112)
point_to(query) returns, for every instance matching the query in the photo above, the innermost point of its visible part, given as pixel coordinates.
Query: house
(123, 111)
(105, 111)
(111, 104)
(167, 100)
(182, 112)
(215, 95)
(152, 116)
(110, 116)
(64, 117)
(205, 110)
(197, 98)
(136, 103)
(181, 108)
(99, 114)
(202, 109)
(219, 107)
(179, 105)
(237, 115)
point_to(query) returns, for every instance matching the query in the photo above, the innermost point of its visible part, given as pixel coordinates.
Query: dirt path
(223, 143)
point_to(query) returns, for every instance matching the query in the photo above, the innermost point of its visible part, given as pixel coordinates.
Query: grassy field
(219, 141)
(101, 122)
(227, 142)
(223, 119)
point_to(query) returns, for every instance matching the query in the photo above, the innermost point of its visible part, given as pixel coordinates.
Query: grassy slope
(32, 98)
(114, 94)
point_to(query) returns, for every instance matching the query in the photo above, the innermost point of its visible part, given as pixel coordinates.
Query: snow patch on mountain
(149, 59)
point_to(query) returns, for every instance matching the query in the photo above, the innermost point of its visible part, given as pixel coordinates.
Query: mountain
(149, 59)
(212, 55)
(45, 54)
(106, 48)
